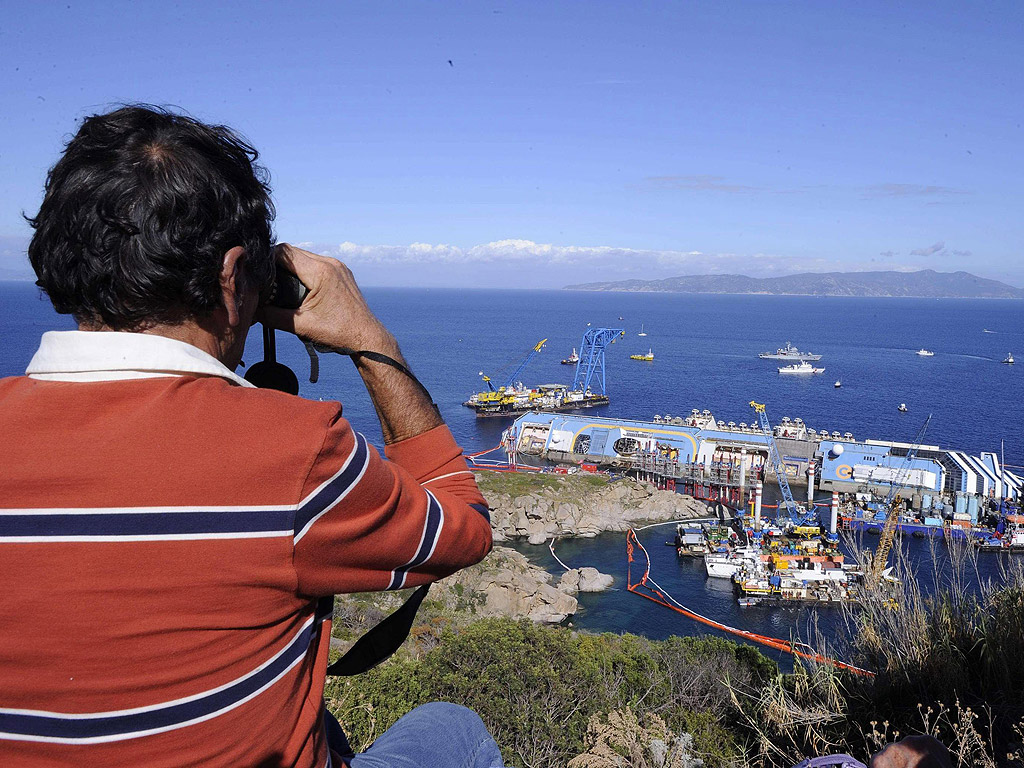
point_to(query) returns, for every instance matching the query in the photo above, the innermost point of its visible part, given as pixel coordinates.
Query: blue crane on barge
(590, 366)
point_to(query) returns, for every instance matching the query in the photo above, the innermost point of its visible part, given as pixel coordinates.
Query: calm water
(706, 357)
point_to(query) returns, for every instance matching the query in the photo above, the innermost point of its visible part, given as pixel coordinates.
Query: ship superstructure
(789, 352)
(712, 459)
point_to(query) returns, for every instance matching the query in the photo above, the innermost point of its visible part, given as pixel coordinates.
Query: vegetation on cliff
(948, 653)
(539, 688)
(950, 666)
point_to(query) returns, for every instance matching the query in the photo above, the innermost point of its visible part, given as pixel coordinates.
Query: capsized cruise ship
(819, 458)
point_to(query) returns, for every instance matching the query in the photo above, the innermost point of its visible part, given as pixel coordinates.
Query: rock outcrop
(537, 509)
(511, 586)
(542, 514)
(584, 580)
(504, 584)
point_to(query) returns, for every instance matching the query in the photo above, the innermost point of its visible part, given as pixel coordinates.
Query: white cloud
(931, 250)
(524, 263)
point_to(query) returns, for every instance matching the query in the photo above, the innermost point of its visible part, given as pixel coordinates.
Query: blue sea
(705, 357)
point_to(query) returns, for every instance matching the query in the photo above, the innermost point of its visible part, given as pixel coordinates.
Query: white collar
(113, 355)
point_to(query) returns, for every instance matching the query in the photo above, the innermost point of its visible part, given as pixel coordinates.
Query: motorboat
(725, 565)
(925, 353)
(788, 352)
(838, 384)
(801, 367)
(902, 408)
(1009, 359)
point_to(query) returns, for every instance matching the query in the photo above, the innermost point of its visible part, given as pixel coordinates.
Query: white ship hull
(798, 357)
(722, 567)
(800, 371)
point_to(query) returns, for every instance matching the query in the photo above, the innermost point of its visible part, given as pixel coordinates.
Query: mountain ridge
(925, 283)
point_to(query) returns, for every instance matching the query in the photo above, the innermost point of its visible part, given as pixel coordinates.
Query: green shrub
(537, 687)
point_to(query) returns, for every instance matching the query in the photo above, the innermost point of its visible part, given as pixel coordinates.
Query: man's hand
(334, 313)
(913, 752)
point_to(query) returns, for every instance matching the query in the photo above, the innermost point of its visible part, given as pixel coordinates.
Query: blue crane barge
(586, 391)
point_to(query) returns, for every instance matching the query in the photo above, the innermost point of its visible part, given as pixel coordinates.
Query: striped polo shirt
(170, 539)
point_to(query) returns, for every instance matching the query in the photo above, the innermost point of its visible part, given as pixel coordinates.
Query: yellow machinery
(893, 504)
(494, 396)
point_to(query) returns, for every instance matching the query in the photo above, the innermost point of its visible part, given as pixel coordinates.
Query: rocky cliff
(535, 508)
(577, 506)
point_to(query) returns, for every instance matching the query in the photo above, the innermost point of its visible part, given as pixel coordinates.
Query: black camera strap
(377, 357)
(381, 640)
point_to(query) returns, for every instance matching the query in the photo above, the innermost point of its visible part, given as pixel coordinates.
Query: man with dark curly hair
(170, 536)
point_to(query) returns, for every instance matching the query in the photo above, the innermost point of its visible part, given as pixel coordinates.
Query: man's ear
(232, 283)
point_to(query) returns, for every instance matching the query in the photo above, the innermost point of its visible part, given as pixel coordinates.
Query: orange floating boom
(660, 596)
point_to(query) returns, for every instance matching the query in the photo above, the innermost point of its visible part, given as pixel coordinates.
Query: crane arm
(533, 352)
(892, 503)
(776, 459)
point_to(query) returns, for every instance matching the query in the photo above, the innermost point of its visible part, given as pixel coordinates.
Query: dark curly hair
(138, 213)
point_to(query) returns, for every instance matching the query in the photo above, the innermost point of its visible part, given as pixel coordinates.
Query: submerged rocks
(584, 580)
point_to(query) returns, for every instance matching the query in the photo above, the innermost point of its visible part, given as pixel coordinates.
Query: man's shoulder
(281, 411)
(202, 404)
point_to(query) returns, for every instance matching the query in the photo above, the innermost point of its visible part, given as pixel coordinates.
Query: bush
(537, 688)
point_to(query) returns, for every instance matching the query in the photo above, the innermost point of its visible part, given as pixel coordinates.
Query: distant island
(926, 283)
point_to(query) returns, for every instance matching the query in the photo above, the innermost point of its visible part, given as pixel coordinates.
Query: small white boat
(902, 408)
(925, 353)
(1009, 359)
(641, 330)
(838, 384)
(801, 368)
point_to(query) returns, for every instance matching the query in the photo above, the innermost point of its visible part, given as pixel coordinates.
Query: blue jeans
(434, 735)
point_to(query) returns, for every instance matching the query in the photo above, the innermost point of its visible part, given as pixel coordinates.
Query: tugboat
(802, 367)
(572, 359)
(649, 357)
(1009, 359)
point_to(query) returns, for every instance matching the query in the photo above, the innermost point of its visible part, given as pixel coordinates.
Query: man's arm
(335, 314)
(364, 523)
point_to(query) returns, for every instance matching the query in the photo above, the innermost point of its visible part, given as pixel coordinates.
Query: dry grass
(620, 740)
(948, 650)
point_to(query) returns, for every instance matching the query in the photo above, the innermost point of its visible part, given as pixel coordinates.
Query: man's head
(139, 214)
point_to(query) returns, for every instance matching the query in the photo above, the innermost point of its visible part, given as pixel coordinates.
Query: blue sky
(538, 144)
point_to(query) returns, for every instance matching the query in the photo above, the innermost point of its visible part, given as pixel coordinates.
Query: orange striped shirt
(169, 547)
